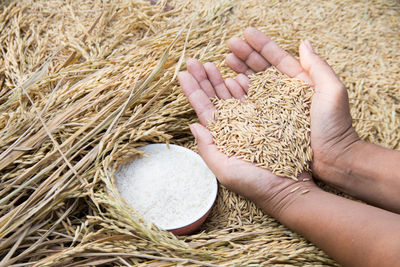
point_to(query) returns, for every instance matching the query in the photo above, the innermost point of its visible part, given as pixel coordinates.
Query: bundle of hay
(84, 83)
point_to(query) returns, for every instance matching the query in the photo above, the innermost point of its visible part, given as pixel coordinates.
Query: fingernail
(249, 72)
(193, 129)
(309, 46)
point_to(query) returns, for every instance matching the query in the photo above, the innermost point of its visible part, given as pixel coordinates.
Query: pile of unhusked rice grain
(271, 128)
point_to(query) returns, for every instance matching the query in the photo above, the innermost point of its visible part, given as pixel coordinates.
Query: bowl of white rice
(170, 186)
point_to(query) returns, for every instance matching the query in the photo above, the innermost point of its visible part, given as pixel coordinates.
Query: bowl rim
(199, 218)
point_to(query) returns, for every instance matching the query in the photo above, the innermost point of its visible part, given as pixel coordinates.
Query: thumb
(202, 135)
(322, 75)
(214, 158)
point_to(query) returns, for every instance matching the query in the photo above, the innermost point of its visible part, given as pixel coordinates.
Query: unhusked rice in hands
(271, 128)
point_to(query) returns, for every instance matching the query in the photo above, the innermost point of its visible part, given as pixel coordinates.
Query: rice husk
(83, 84)
(271, 127)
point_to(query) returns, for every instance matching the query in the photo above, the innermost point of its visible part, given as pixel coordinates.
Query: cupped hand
(332, 133)
(268, 191)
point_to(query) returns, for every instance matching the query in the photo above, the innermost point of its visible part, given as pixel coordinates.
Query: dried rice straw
(49, 217)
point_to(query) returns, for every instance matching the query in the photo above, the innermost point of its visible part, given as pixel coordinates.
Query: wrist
(333, 163)
(339, 171)
(279, 200)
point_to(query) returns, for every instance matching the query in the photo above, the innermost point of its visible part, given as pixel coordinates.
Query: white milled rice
(171, 187)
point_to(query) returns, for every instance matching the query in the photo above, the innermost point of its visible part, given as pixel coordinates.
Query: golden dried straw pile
(271, 127)
(84, 83)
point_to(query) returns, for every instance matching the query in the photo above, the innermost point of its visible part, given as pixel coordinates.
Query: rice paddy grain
(271, 127)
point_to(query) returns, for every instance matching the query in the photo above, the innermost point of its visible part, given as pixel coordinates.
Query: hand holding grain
(318, 216)
(331, 222)
(271, 193)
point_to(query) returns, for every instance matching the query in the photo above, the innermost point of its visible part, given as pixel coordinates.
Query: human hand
(332, 134)
(270, 192)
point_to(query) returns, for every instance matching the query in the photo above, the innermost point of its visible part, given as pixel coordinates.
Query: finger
(235, 89)
(215, 159)
(237, 64)
(244, 81)
(214, 76)
(275, 55)
(199, 73)
(322, 75)
(248, 55)
(221, 165)
(197, 97)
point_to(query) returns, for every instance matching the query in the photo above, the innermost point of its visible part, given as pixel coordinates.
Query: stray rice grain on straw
(271, 128)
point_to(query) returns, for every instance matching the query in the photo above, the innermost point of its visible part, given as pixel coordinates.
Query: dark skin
(353, 233)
